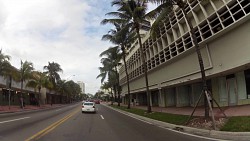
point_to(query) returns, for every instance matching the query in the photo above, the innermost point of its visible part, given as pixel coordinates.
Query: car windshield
(88, 103)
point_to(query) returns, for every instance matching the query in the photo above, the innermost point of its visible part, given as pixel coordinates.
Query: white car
(88, 107)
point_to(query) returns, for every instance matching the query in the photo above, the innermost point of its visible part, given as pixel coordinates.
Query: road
(68, 123)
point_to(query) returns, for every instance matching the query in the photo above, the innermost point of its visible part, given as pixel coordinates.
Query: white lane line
(102, 117)
(13, 120)
(58, 109)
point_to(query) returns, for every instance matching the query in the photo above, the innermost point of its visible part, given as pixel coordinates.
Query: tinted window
(88, 103)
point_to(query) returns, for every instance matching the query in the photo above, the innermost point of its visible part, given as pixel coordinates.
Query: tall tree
(4, 63)
(7, 71)
(37, 81)
(72, 90)
(25, 74)
(133, 13)
(52, 70)
(110, 63)
(122, 38)
(107, 87)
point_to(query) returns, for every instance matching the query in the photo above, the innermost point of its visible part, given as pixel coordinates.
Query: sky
(67, 32)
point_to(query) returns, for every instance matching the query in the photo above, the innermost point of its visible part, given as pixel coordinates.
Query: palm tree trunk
(145, 71)
(39, 93)
(118, 86)
(21, 95)
(115, 92)
(112, 97)
(201, 64)
(126, 71)
(9, 86)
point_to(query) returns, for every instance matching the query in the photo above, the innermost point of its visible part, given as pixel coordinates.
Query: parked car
(88, 107)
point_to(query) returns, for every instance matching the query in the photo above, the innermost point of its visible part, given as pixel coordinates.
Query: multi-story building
(82, 86)
(222, 28)
(10, 91)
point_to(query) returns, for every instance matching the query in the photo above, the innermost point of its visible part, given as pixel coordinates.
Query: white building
(222, 28)
(82, 86)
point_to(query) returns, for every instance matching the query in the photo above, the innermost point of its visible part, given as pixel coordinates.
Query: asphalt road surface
(69, 124)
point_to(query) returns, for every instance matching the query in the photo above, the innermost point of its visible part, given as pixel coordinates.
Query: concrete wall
(220, 90)
(196, 92)
(183, 96)
(170, 96)
(222, 55)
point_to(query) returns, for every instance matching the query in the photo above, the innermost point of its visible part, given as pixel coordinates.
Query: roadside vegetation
(165, 117)
(233, 124)
(28, 76)
(237, 124)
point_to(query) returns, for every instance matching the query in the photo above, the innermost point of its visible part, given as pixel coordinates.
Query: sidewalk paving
(243, 110)
(17, 108)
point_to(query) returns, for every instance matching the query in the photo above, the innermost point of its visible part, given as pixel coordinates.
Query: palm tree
(38, 81)
(4, 63)
(133, 13)
(6, 70)
(122, 38)
(24, 74)
(109, 86)
(110, 63)
(52, 71)
(105, 71)
(72, 90)
(61, 87)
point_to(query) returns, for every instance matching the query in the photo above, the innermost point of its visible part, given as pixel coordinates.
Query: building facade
(82, 86)
(10, 93)
(222, 28)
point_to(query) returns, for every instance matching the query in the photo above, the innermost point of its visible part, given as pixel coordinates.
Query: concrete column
(177, 97)
(192, 96)
(161, 99)
(137, 99)
(150, 98)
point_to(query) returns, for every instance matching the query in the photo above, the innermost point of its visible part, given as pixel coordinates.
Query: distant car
(88, 107)
(97, 101)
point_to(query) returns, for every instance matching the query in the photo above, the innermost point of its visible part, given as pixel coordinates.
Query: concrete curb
(239, 136)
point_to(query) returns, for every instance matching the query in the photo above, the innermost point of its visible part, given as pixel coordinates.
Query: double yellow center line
(51, 127)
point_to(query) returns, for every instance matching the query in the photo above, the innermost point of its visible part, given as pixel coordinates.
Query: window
(88, 103)
(247, 78)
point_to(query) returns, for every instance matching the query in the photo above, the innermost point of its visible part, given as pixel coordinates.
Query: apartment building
(222, 28)
(82, 86)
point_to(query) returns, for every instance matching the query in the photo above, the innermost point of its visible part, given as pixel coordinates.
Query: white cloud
(43, 31)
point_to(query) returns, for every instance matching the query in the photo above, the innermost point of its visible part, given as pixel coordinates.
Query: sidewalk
(16, 108)
(243, 110)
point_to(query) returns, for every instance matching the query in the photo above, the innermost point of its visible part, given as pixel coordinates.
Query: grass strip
(237, 124)
(165, 117)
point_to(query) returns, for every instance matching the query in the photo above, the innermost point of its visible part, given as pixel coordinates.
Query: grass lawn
(237, 124)
(165, 117)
